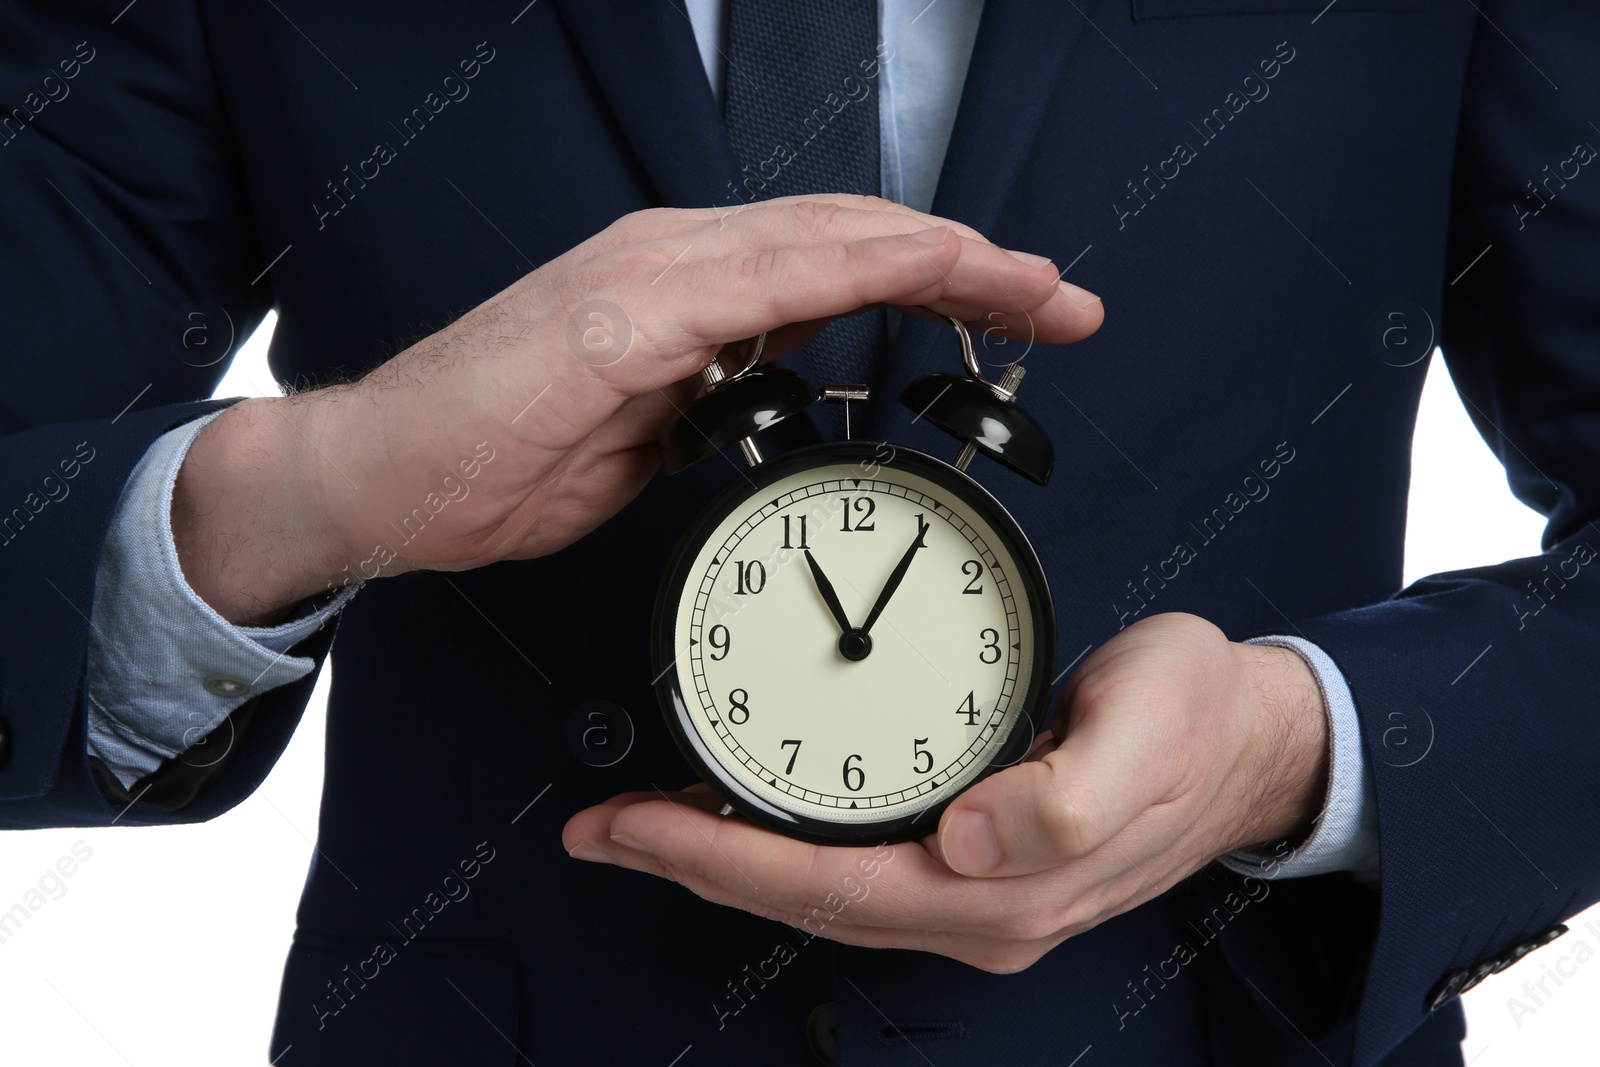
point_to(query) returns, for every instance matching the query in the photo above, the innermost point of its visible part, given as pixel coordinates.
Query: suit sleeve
(129, 265)
(1477, 689)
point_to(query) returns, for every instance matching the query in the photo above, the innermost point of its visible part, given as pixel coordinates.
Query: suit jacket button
(223, 685)
(1458, 982)
(1516, 954)
(1448, 990)
(1548, 936)
(1482, 971)
(821, 1035)
(1526, 947)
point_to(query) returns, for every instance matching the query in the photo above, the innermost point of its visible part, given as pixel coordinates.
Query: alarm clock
(853, 632)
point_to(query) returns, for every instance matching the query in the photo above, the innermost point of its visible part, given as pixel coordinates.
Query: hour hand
(899, 573)
(829, 597)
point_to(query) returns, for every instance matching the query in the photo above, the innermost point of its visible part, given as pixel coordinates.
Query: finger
(684, 312)
(731, 860)
(719, 859)
(686, 304)
(1011, 294)
(823, 218)
(807, 216)
(592, 825)
(903, 886)
(744, 293)
(688, 236)
(810, 220)
(728, 859)
(1056, 810)
(1006, 336)
(900, 890)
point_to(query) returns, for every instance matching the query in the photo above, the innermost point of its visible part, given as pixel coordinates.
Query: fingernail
(585, 851)
(1028, 257)
(628, 842)
(934, 236)
(970, 846)
(1078, 296)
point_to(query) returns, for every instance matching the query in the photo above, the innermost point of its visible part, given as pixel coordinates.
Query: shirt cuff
(1344, 836)
(164, 669)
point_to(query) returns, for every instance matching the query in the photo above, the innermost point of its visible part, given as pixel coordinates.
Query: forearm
(1293, 733)
(251, 524)
(1344, 835)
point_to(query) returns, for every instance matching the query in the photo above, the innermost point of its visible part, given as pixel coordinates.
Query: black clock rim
(669, 689)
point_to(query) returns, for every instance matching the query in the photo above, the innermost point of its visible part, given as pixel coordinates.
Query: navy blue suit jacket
(1277, 230)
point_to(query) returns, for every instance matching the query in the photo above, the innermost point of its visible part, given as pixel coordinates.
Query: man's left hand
(1172, 746)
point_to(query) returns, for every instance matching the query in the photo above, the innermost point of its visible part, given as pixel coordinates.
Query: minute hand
(899, 574)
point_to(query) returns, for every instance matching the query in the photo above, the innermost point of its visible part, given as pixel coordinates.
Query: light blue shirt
(164, 669)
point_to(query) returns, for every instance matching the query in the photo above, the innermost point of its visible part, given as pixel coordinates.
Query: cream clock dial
(851, 636)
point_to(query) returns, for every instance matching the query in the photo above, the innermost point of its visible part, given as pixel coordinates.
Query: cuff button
(822, 1034)
(224, 685)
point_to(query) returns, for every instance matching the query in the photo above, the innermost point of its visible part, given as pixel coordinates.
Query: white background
(168, 943)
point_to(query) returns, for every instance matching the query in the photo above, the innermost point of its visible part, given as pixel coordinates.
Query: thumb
(1044, 813)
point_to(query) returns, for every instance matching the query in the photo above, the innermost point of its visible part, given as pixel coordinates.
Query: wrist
(250, 520)
(1286, 769)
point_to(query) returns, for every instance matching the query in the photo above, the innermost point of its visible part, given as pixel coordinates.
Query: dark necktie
(801, 106)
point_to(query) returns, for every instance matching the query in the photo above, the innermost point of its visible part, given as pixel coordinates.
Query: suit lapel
(649, 70)
(1017, 62)
(1018, 59)
(648, 67)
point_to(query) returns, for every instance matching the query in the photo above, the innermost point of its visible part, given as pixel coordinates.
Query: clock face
(850, 638)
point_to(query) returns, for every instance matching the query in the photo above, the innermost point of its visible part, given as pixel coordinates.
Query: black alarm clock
(853, 633)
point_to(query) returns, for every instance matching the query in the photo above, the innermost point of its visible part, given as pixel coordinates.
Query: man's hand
(565, 381)
(1175, 746)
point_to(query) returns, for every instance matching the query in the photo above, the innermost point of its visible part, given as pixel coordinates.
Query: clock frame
(1026, 712)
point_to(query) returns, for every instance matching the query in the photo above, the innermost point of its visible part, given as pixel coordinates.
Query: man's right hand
(567, 379)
